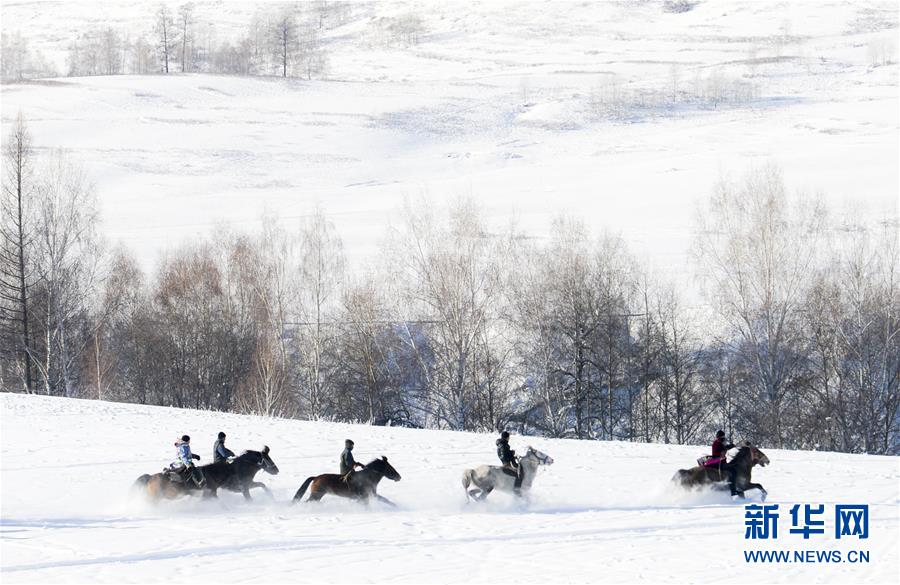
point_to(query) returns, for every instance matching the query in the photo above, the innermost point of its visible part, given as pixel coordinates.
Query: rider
(184, 461)
(348, 463)
(720, 448)
(220, 451)
(510, 463)
(721, 445)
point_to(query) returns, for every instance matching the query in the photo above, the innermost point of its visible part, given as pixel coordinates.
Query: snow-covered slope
(532, 109)
(604, 512)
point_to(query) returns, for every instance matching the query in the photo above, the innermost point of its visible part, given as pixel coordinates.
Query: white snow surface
(603, 512)
(498, 102)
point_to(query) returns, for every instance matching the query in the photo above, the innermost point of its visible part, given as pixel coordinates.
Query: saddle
(183, 475)
(176, 475)
(709, 461)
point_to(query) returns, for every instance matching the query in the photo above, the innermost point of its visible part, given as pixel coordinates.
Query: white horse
(487, 478)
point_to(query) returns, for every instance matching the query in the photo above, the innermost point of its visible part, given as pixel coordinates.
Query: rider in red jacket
(720, 446)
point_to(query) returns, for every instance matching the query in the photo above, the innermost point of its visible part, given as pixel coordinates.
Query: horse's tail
(141, 486)
(142, 481)
(302, 489)
(682, 477)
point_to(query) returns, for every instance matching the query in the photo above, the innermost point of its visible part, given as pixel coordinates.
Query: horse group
(239, 476)
(236, 476)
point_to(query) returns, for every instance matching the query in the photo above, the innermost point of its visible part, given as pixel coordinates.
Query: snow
(499, 102)
(604, 512)
(503, 103)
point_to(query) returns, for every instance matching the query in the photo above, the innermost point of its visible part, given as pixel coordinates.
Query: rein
(540, 458)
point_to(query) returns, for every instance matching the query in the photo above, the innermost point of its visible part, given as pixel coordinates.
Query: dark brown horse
(360, 485)
(714, 475)
(235, 476)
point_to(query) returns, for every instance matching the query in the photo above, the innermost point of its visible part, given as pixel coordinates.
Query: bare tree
(285, 40)
(759, 247)
(369, 387)
(120, 297)
(683, 406)
(321, 273)
(166, 35)
(111, 51)
(273, 280)
(863, 303)
(185, 25)
(311, 51)
(66, 261)
(451, 280)
(16, 241)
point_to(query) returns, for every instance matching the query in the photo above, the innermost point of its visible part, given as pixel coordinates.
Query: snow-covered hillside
(532, 109)
(604, 512)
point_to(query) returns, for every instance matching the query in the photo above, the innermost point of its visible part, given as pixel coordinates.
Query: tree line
(461, 326)
(280, 39)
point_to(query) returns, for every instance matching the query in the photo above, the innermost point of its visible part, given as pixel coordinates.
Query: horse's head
(541, 458)
(384, 468)
(747, 451)
(757, 456)
(265, 461)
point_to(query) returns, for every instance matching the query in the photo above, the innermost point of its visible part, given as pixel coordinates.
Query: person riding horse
(348, 463)
(183, 466)
(220, 451)
(720, 448)
(510, 463)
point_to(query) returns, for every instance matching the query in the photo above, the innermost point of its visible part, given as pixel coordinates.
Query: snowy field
(511, 104)
(604, 512)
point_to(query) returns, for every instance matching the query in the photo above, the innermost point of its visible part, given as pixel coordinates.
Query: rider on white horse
(510, 463)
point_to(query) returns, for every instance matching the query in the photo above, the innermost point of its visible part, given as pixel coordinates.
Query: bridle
(541, 457)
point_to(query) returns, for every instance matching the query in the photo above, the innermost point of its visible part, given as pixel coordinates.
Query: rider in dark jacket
(220, 451)
(348, 463)
(508, 459)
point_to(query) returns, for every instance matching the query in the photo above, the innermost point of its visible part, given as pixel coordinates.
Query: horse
(244, 468)
(236, 476)
(358, 485)
(487, 478)
(747, 457)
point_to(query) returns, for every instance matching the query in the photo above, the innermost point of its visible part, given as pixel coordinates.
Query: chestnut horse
(747, 457)
(359, 485)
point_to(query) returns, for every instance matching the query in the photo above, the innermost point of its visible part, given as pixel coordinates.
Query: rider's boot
(197, 477)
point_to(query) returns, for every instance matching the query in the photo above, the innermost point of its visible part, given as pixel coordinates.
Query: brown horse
(236, 475)
(359, 485)
(714, 475)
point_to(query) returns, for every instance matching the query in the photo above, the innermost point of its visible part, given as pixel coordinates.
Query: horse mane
(744, 450)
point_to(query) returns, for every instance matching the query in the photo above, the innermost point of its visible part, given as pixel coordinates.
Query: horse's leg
(485, 492)
(259, 484)
(385, 500)
(315, 494)
(762, 490)
(246, 491)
